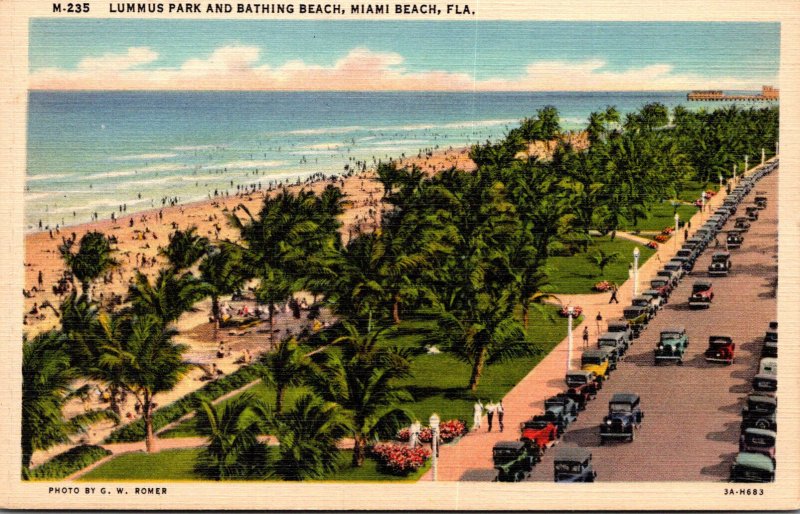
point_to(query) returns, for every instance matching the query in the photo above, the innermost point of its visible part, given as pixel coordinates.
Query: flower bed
(667, 231)
(449, 431)
(661, 238)
(400, 460)
(602, 287)
(710, 193)
(71, 461)
(653, 245)
(576, 311)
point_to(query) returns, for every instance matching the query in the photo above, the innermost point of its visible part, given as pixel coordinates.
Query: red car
(663, 286)
(720, 349)
(539, 430)
(702, 295)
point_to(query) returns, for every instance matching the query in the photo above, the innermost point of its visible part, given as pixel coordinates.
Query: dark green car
(753, 467)
(672, 345)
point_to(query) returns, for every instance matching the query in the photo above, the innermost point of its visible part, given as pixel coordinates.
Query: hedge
(64, 464)
(165, 415)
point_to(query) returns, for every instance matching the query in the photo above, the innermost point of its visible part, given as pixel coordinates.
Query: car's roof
(721, 254)
(594, 352)
(673, 328)
(611, 335)
(719, 338)
(569, 453)
(577, 372)
(509, 445)
(761, 431)
(755, 460)
(624, 398)
(621, 321)
(641, 297)
(706, 283)
(634, 308)
(762, 398)
(650, 292)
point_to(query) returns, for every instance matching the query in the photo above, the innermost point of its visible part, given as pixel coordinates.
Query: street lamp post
(434, 423)
(734, 173)
(776, 148)
(702, 204)
(677, 222)
(636, 271)
(570, 313)
(720, 181)
(746, 159)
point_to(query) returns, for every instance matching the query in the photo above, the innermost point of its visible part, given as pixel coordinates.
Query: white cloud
(237, 67)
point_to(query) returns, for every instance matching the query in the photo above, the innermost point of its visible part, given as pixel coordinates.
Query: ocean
(98, 152)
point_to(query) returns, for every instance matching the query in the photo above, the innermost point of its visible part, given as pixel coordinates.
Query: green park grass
(177, 465)
(576, 274)
(662, 215)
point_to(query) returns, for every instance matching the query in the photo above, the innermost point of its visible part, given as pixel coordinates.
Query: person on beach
(477, 415)
(613, 293)
(586, 336)
(500, 412)
(491, 408)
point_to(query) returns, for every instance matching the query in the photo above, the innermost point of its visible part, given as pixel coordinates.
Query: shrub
(448, 431)
(165, 415)
(64, 464)
(576, 311)
(400, 460)
(602, 286)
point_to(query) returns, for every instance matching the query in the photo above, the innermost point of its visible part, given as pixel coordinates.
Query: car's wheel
(602, 441)
(680, 362)
(762, 424)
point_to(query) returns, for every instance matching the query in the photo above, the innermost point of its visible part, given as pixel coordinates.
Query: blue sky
(449, 54)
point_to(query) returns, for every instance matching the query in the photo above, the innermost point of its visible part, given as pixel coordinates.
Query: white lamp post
(636, 271)
(776, 148)
(734, 173)
(434, 423)
(746, 159)
(702, 204)
(720, 181)
(677, 221)
(570, 313)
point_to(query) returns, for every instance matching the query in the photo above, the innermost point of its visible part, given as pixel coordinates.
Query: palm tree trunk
(525, 309)
(86, 288)
(215, 309)
(396, 310)
(359, 451)
(271, 310)
(114, 390)
(150, 438)
(27, 450)
(279, 390)
(477, 370)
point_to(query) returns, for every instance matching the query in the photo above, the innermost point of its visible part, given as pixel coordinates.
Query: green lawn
(578, 275)
(176, 465)
(693, 188)
(663, 215)
(166, 465)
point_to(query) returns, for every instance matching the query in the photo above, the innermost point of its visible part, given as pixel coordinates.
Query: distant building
(768, 93)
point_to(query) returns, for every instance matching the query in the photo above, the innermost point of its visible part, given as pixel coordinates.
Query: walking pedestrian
(477, 415)
(613, 293)
(491, 408)
(586, 337)
(685, 234)
(500, 412)
(598, 319)
(413, 433)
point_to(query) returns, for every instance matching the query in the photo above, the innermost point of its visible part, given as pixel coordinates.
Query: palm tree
(109, 340)
(285, 367)
(308, 437)
(168, 296)
(92, 259)
(274, 287)
(601, 258)
(46, 388)
(150, 363)
(231, 431)
(361, 376)
(185, 248)
(221, 271)
(78, 317)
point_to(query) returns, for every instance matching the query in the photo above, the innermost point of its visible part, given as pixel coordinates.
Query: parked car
(720, 264)
(613, 356)
(512, 460)
(757, 440)
(753, 467)
(765, 383)
(562, 409)
(637, 318)
(597, 362)
(695, 243)
(702, 295)
(735, 239)
(583, 386)
(670, 276)
(720, 349)
(672, 345)
(622, 326)
(646, 302)
(624, 417)
(768, 366)
(760, 411)
(678, 265)
(742, 223)
(616, 340)
(663, 286)
(770, 348)
(730, 203)
(752, 213)
(690, 254)
(539, 430)
(761, 200)
(573, 465)
(655, 298)
(716, 221)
